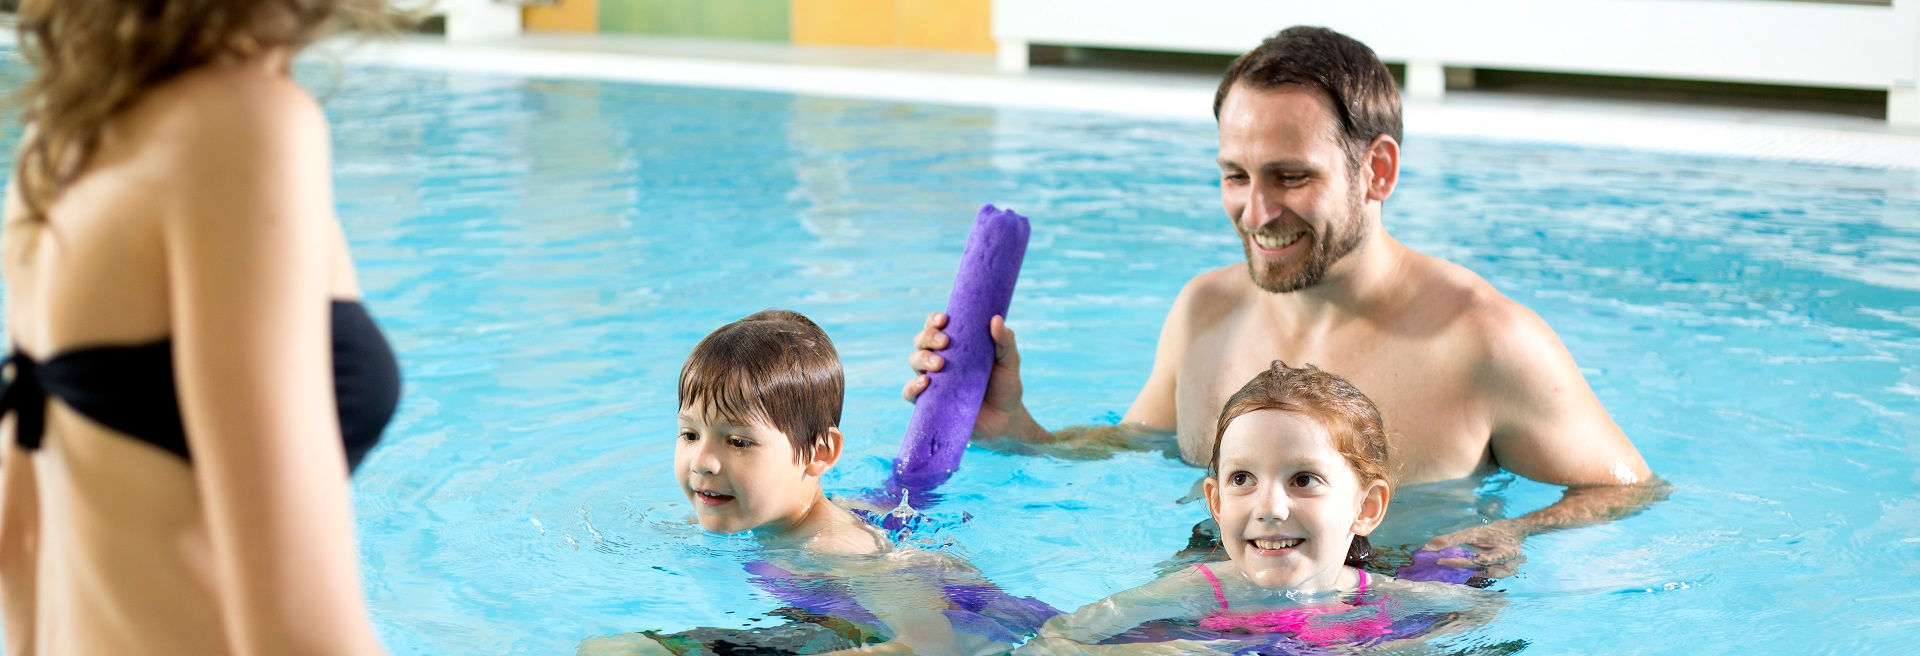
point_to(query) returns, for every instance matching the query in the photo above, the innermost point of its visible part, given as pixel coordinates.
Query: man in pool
(1310, 133)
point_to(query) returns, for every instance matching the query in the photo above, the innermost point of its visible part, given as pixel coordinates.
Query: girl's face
(1287, 502)
(742, 476)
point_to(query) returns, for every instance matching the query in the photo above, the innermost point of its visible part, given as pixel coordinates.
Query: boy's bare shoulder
(855, 538)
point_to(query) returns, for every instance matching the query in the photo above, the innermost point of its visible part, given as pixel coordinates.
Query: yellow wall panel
(965, 25)
(843, 22)
(562, 16)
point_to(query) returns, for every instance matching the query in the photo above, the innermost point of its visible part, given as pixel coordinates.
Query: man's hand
(1002, 414)
(1496, 547)
(1496, 544)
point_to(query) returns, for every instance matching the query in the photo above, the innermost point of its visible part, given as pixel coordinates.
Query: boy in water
(759, 420)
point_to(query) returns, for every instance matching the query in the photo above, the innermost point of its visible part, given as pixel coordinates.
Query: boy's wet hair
(1366, 102)
(1349, 416)
(775, 366)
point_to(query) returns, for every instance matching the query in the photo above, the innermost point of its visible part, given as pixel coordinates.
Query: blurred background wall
(959, 25)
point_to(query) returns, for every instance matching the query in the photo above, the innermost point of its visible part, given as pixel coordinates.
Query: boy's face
(1288, 504)
(743, 475)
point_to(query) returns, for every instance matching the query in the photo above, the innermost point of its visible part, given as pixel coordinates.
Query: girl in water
(1298, 473)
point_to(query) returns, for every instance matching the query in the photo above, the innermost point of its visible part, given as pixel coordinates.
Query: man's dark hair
(1365, 99)
(774, 365)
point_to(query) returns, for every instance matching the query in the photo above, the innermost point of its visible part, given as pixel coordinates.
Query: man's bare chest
(1436, 418)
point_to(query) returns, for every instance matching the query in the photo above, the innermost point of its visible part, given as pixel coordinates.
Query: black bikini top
(130, 388)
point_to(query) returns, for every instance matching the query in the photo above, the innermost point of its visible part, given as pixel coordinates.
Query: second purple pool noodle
(944, 414)
(1426, 567)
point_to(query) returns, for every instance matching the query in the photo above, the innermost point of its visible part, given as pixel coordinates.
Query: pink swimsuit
(1304, 623)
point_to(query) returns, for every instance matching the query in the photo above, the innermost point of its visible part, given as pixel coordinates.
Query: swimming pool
(544, 253)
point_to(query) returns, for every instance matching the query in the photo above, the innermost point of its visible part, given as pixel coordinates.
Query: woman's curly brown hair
(94, 58)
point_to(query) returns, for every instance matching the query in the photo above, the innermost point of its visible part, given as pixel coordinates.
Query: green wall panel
(649, 16)
(764, 20)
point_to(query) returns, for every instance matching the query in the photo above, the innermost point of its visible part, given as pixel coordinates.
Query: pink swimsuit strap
(1217, 593)
(1308, 624)
(1221, 595)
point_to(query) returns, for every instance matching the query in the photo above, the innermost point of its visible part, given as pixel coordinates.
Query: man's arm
(1496, 544)
(1549, 427)
(1004, 424)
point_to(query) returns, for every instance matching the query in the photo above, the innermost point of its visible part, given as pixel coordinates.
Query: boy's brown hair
(774, 365)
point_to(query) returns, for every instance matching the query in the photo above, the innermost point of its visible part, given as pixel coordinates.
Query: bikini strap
(1363, 580)
(1217, 594)
(26, 400)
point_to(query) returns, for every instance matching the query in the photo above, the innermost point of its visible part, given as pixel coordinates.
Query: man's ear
(1382, 168)
(826, 451)
(1373, 507)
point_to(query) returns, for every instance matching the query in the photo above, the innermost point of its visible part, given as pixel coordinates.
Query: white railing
(1855, 46)
(468, 20)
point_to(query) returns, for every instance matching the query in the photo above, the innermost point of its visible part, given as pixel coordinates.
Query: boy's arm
(910, 607)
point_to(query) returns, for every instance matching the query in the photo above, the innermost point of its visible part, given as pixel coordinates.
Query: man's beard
(1326, 250)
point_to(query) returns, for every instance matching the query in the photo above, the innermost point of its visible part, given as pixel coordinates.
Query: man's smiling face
(1294, 194)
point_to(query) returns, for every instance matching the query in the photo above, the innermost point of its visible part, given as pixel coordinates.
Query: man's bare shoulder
(1213, 294)
(1479, 319)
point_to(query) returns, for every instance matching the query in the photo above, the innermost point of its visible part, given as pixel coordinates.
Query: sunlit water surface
(544, 253)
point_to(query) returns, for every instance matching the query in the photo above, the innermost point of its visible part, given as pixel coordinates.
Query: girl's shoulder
(1206, 571)
(1198, 579)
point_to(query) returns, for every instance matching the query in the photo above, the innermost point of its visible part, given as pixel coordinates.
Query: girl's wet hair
(1349, 416)
(775, 366)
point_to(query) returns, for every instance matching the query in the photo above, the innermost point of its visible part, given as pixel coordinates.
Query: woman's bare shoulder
(225, 117)
(250, 93)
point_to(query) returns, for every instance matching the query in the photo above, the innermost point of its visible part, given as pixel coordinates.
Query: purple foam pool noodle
(943, 416)
(1426, 568)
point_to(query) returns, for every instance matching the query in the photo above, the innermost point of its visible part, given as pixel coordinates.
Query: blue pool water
(544, 253)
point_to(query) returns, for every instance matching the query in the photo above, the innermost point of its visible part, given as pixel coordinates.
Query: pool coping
(945, 78)
(973, 80)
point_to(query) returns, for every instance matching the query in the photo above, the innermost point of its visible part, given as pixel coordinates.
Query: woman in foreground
(192, 376)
